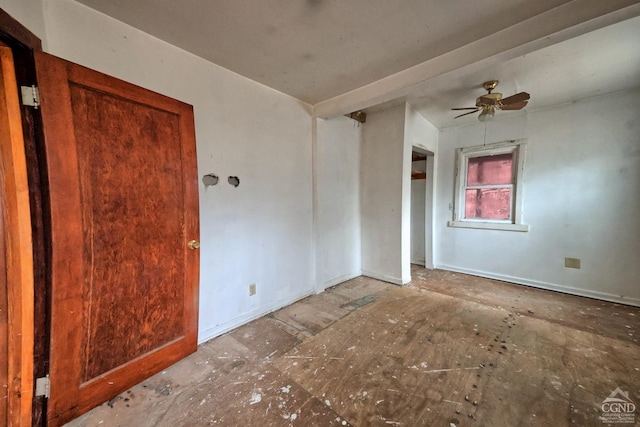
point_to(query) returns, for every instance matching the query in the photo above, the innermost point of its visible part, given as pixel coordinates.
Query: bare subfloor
(446, 350)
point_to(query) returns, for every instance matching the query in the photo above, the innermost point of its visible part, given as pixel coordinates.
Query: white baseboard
(337, 280)
(383, 277)
(604, 296)
(222, 328)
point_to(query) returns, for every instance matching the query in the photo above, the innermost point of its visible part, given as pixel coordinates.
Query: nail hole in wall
(234, 180)
(209, 180)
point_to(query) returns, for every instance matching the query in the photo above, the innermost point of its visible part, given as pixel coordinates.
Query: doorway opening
(422, 207)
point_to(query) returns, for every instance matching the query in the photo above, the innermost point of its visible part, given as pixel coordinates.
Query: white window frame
(514, 223)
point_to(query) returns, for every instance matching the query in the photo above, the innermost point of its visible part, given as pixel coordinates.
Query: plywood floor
(446, 350)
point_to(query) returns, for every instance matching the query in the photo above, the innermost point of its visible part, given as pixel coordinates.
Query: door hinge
(42, 386)
(30, 96)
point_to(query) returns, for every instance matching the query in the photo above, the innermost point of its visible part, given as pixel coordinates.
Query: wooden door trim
(23, 43)
(18, 244)
(18, 32)
(67, 244)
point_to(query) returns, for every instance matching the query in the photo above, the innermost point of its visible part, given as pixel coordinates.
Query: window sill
(489, 225)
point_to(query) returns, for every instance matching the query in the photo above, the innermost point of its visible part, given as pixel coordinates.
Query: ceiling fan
(492, 101)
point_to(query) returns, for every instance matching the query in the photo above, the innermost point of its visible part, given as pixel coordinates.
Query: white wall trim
(604, 296)
(384, 277)
(224, 327)
(488, 225)
(337, 280)
(314, 202)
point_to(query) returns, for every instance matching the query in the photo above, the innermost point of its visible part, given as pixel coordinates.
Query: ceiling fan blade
(465, 108)
(514, 99)
(516, 106)
(466, 114)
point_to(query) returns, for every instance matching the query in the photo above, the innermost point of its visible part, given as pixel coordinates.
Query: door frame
(28, 305)
(429, 257)
(17, 253)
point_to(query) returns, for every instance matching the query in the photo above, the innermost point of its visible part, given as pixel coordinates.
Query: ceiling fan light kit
(487, 113)
(492, 101)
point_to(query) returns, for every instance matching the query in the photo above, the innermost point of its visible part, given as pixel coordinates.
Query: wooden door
(123, 197)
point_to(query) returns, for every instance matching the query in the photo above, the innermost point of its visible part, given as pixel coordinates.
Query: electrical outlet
(572, 263)
(252, 289)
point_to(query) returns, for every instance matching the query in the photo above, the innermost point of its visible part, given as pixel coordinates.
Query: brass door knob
(193, 244)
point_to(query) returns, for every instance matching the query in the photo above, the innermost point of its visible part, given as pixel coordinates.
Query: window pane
(488, 203)
(490, 170)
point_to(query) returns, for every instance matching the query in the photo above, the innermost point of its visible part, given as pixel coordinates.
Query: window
(488, 187)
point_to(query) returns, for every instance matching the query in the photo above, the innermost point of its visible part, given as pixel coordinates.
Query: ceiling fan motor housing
(489, 99)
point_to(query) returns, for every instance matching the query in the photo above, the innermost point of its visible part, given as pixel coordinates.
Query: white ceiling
(344, 55)
(603, 61)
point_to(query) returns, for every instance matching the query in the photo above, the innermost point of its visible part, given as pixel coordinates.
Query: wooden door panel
(123, 188)
(121, 263)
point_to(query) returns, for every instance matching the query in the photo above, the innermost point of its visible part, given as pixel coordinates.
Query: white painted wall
(338, 230)
(389, 137)
(581, 187)
(260, 232)
(382, 196)
(420, 133)
(405, 209)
